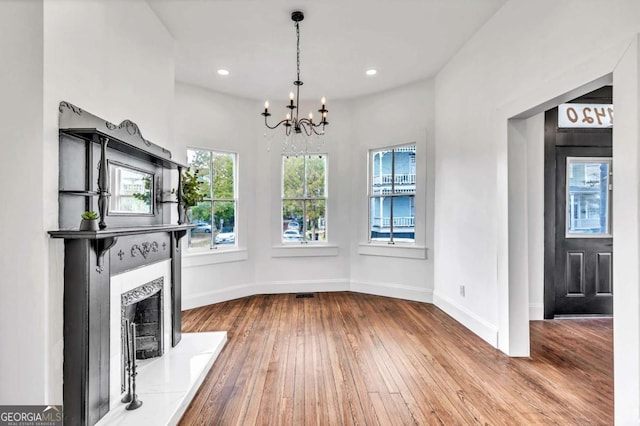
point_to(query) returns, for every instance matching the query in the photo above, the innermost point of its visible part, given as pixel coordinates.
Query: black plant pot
(89, 225)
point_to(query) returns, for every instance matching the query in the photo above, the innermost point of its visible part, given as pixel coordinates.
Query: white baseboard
(302, 286)
(487, 332)
(536, 311)
(398, 291)
(196, 300)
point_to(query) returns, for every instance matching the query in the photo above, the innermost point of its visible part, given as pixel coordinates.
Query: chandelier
(300, 133)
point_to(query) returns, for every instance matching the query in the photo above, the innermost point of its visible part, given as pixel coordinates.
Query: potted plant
(89, 221)
(192, 193)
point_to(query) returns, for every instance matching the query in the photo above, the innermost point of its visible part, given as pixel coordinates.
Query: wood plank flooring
(349, 358)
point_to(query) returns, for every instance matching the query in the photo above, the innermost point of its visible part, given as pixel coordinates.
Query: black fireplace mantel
(91, 258)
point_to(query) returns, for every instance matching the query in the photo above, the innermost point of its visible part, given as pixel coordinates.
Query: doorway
(578, 193)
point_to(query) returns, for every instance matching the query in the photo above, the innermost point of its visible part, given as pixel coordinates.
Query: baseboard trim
(210, 297)
(298, 286)
(398, 291)
(536, 311)
(486, 331)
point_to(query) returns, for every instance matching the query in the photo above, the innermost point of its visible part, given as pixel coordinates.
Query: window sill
(304, 250)
(214, 256)
(393, 250)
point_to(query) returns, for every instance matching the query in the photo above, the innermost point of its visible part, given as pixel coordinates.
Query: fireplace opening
(146, 314)
(144, 307)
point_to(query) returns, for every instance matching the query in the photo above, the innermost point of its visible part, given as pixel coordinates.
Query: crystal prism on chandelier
(302, 135)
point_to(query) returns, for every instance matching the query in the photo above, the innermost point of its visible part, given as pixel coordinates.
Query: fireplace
(141, 295)
(143, 306)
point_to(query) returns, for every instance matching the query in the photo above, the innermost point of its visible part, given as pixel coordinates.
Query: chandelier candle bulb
(310, 116)
(323, 101)
(266, 106)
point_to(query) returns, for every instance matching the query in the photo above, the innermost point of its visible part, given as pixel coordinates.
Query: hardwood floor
(349, 358)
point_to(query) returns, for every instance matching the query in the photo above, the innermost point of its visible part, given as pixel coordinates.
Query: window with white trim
(392, 191)
(304, 198)
(215, 215)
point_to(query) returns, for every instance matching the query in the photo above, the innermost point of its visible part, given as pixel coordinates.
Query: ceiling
(405, 40)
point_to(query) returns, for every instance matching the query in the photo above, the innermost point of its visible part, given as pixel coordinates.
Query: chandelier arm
(306, 125)
(277, 125)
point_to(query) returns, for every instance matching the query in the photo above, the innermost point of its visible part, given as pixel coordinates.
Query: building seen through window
(392, 192)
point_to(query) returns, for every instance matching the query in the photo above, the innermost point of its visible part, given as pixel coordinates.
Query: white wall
(626, 237)
(23, 307)
(114, 59)
(393, 117)
(530, 56)
(535, 214)
(209, 120)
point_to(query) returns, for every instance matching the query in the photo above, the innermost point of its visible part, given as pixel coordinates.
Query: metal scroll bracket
(101, 246)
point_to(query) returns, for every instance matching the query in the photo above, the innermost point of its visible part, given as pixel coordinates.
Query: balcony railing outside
(401, 179)
(398, 222)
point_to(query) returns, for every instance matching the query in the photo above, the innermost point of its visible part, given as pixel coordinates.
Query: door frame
(570, 138)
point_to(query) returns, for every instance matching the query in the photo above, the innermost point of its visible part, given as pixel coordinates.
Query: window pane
(381, 172)
(404, 218)
(200, 214)
(405, 170)
(316, 176)
(224, 216)
(201, 161)
(292, 220)
(315, 221)
(380, 217)
(587, 197)
(223, 175)
(293, 177)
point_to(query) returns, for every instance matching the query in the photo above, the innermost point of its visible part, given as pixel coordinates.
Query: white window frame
(305, 198)
(213, 247)
(371, 196)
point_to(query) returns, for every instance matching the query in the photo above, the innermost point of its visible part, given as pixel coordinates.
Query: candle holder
(135, 402)
(125, 346)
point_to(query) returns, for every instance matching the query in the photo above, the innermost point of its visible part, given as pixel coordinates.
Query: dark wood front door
(578, 236)
(584, 255)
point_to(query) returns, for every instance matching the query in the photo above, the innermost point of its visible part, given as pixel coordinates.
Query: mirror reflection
(131, 190)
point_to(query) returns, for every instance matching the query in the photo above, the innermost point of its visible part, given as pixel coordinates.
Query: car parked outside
(201, 227)
(291, 235)
(226, 236)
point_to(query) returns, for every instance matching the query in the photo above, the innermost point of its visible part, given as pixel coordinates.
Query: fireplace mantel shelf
(74, 234)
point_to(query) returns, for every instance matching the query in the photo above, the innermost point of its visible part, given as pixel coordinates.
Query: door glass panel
(588, 201)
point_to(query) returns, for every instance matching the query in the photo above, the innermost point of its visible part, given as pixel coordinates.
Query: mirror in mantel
(131, 190)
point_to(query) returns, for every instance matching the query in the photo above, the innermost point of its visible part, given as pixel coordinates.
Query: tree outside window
(392, 190)
(304, 198)
(215, 215)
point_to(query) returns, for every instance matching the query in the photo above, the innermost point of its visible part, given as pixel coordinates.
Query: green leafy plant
(192, 192)
(90, 215)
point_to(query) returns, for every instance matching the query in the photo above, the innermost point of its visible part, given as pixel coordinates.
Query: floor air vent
(304, 295)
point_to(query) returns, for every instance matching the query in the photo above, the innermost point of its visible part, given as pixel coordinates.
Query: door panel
(583, 281)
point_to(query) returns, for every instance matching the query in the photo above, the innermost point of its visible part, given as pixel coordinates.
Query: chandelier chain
(298, 49)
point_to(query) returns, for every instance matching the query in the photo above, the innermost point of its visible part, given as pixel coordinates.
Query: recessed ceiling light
(222, 71)
(371, 71)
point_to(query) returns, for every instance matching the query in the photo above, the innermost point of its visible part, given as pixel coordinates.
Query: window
(392, 190)
(304, 198)
(215, 216)
(588, 197)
